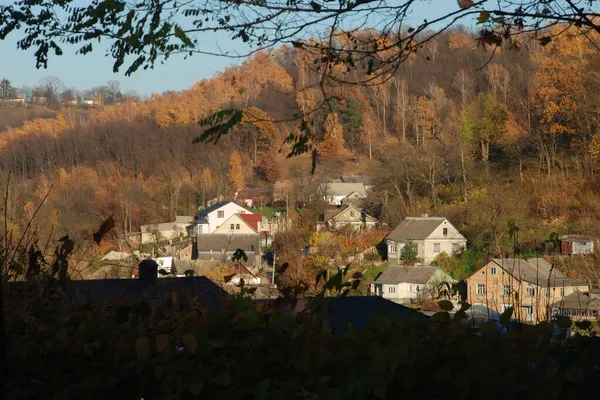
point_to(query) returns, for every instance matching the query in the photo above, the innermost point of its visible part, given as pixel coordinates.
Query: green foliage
(350, 117)
(409, 253)
(458, 267)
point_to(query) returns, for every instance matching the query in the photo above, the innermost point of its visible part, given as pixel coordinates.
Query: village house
(335, 193)
(576, 244)
(431, 235)
(239, 272)
(579, 305)
(366, 180)
(412, 284)
(219, 249)
(531, 286)
(349, 216)
(166, 231)
(208, 220)
(237, 225)
(251, 197)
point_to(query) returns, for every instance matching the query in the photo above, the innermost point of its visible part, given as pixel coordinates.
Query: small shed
(576, 244)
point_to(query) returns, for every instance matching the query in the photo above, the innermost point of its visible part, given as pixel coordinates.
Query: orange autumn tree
(333, 144)
(236, 171)
(261, 131)
(207, 183)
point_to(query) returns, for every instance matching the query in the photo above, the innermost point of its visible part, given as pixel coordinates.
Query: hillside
(453, 132)
(14, 115)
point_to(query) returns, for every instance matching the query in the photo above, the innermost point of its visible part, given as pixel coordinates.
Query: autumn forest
(486, 137)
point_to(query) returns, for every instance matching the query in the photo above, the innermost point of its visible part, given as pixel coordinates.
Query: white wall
(166, 234)
(228, 209)
(401, 291)
(236, 221)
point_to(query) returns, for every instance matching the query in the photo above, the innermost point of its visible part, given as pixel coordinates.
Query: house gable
(446, 230)
(352, 214)
(240, 226)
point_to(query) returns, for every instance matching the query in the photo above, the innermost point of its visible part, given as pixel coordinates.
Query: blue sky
(95, 69)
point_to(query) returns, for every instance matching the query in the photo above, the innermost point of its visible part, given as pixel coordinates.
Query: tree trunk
(464, 171)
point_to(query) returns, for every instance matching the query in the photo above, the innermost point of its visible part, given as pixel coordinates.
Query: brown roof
(536, 270)
(395, 275)
(415, 228)
(251, 193)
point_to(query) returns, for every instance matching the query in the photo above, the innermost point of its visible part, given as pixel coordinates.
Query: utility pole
(273, 274)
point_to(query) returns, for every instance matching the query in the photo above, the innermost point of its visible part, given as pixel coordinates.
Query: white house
(335, 193)
(431, 235)
(412, 284)
(211, 218)
(166, 231)
(235, 225)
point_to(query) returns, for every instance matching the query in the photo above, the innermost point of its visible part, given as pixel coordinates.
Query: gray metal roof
(536, 270)
(214, 207)
(364, 179)
(400, 274)
(578, 300)
(217, 242)
(343, 189)
(415, 228)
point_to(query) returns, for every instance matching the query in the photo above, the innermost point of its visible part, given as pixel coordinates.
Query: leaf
(261, 389)
(217, 344)
(483, 17)
(62, 335)
(142, 347)
(446, 305)
(162, 341)
(315, 6)
(545, 40)
(223, 380)
(106, 226)
(239, 254)
(488, 328)
(583, 325)
(563, 322)
(574, 374)
(465, 4)
(506, 316)
(196, 388)
(190, 342)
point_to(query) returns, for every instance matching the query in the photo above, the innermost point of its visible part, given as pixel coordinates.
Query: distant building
(412, 284)
(531, 286)
(335, 193)
(220, 249)
(166, 231)
(251, 197)
(431, 235)
(366, 180)
(349, 216)
(576, 244)
(211, 218)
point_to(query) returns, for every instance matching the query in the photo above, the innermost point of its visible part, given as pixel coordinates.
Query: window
(530, 291)
(237, 226)
(505, 290)
(529, 312)
(445, 231)
(393, 248)
(391, 289)
(436, 247)
(493, 270)
(232, 226)
(455, 248)
(220, 214)
(562, 292)
(352, 214)
(481, 288)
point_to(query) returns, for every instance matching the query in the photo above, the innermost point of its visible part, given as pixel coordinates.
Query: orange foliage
(333, 144)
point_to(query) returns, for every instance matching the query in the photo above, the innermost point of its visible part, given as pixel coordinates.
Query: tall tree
(5, 89)
(236, 171)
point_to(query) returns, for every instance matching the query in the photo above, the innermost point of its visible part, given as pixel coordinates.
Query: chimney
(148, 271)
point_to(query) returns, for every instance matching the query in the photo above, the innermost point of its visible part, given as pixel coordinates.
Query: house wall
(583, 247)
(228, 209)
(394, 257)
(173, 232)
(235, 220)
(495, 299)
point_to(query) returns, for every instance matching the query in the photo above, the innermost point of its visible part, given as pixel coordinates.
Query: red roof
(252, 220)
